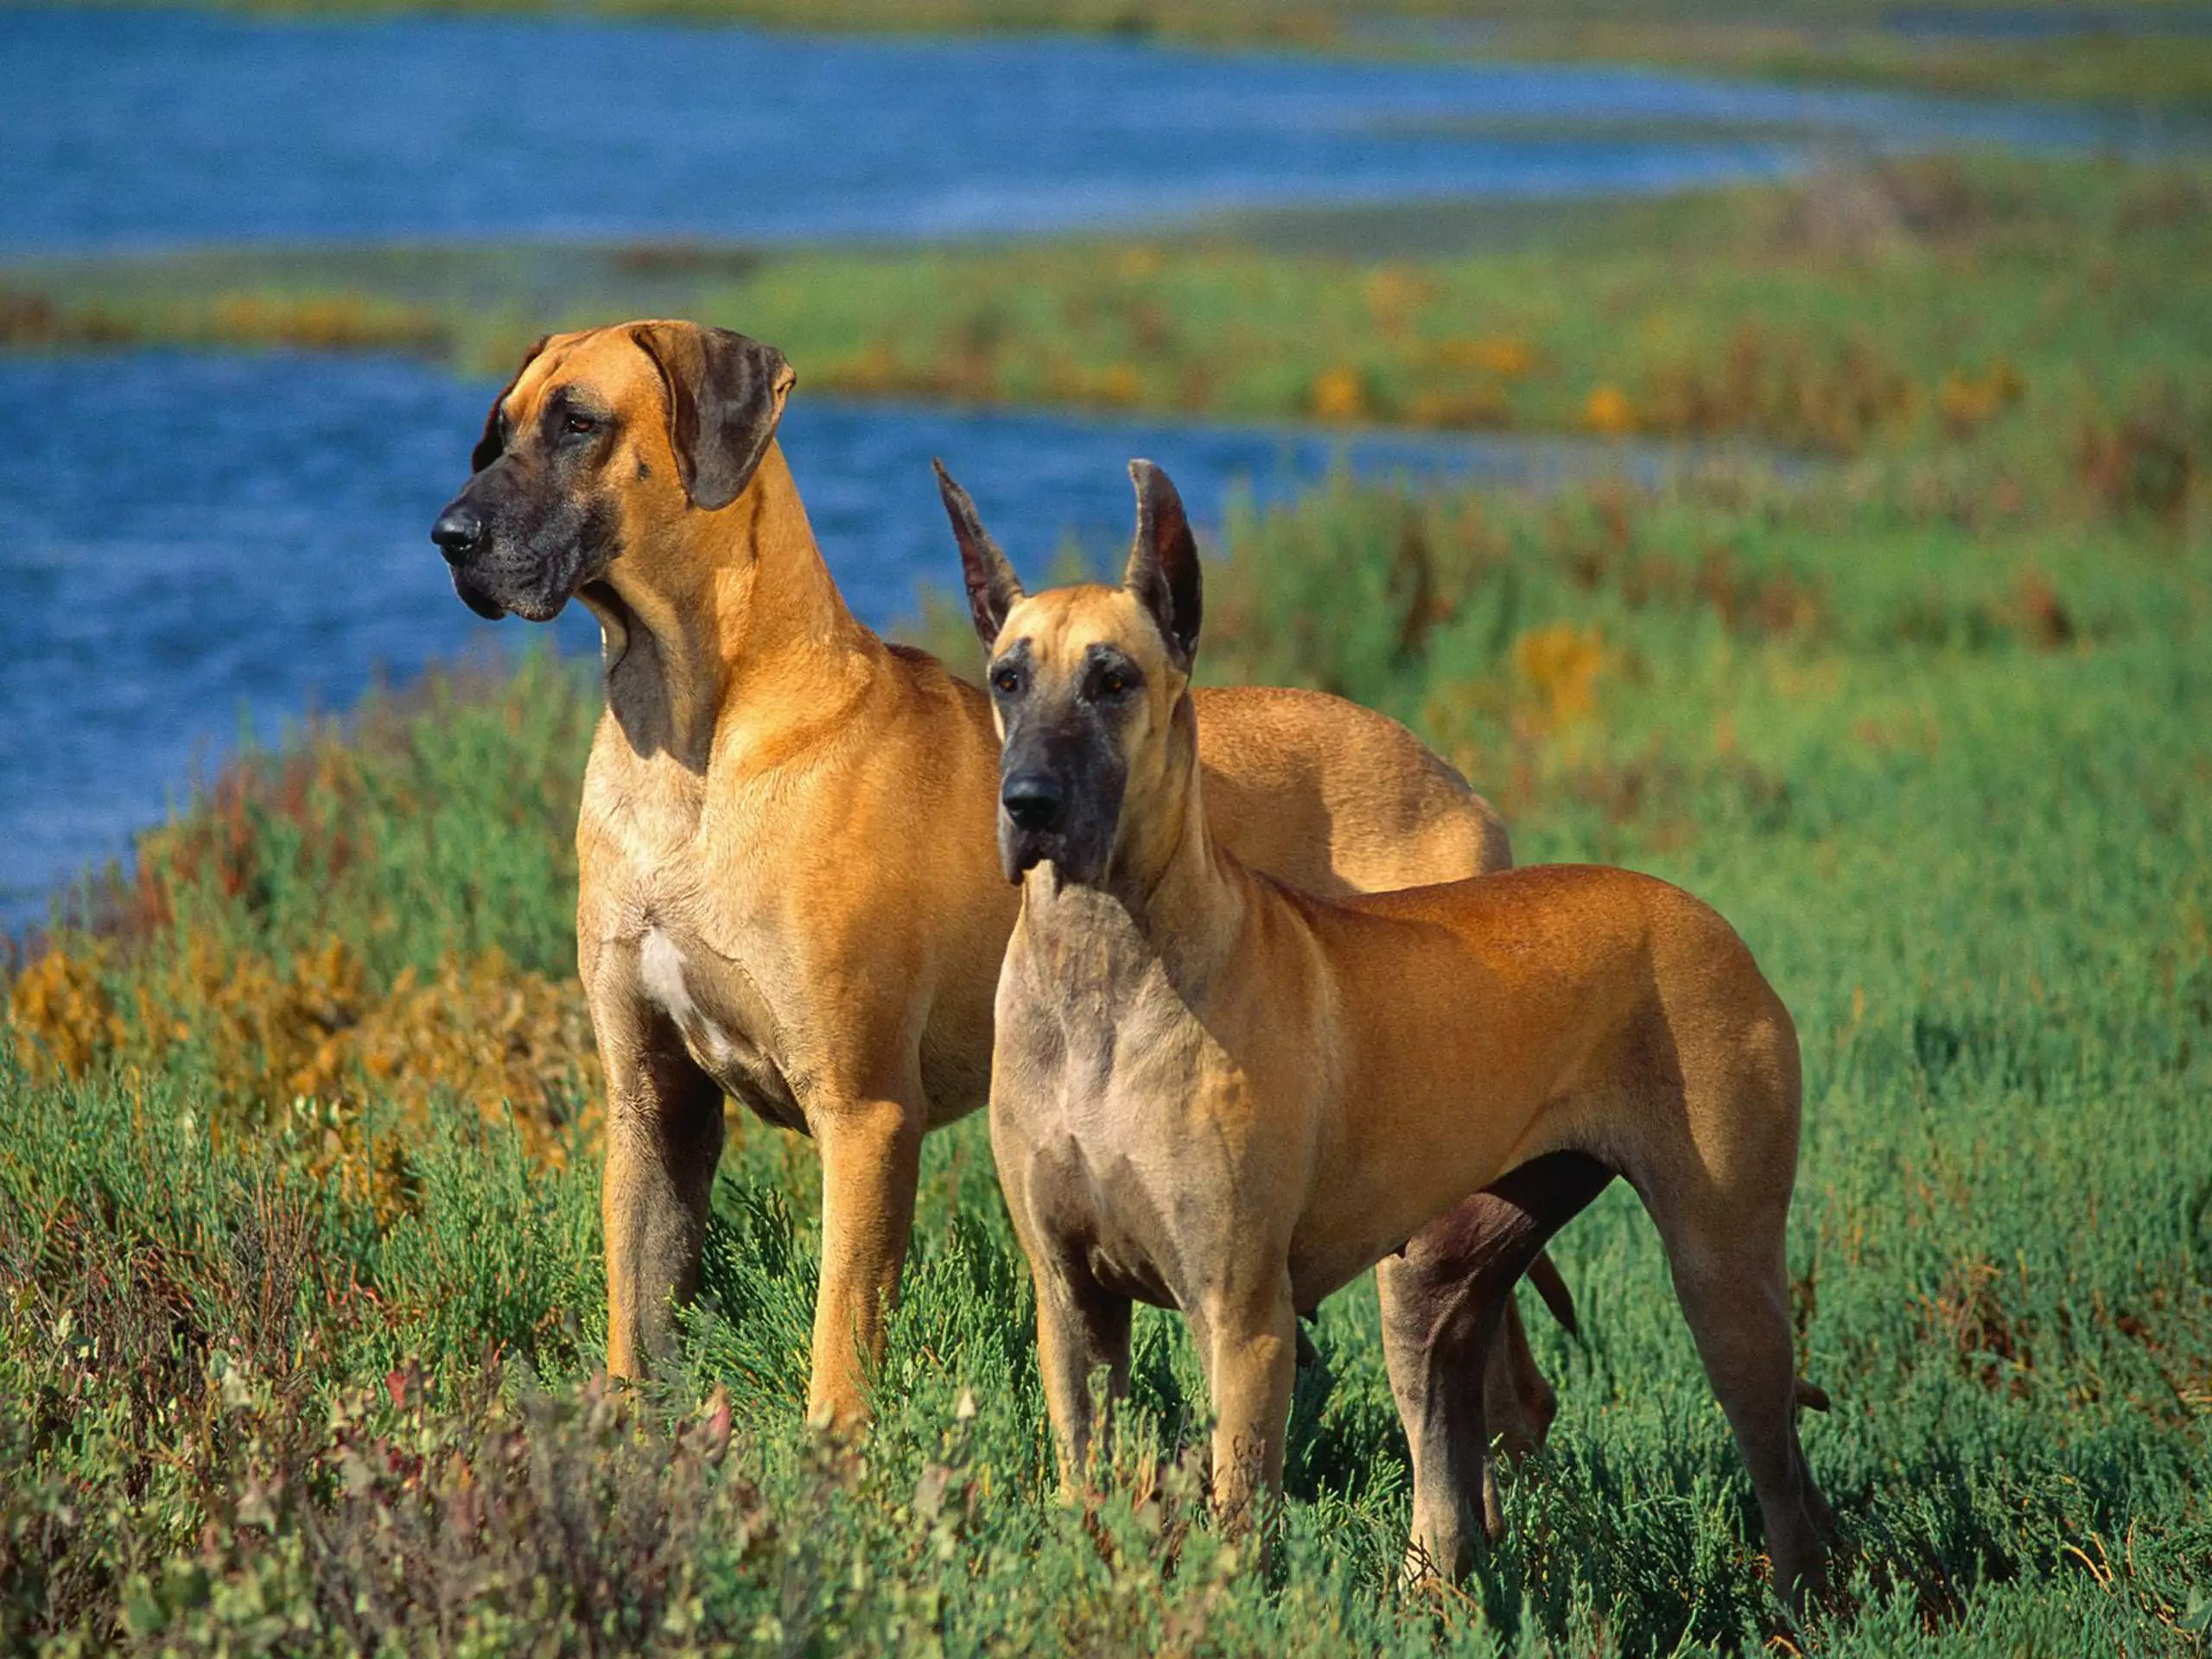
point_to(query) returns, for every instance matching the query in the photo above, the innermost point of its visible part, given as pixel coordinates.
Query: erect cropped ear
(1163, 569)
(993, 588)
(725, 396)
(491, 445)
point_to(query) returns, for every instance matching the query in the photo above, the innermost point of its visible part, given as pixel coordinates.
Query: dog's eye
(1112, 682)
(1006, 681)
(580, 424)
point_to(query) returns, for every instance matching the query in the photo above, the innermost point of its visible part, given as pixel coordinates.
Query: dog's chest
(1119, 1168)
(725, 1022)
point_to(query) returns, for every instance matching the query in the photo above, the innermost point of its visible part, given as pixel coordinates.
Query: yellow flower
(1120, 384)
(1502, 355)
(1138, 263)
(1559, 666)
(1966, 401)
(1338, 395)
(1392, 292)
(64, 1013)
(1608, 410)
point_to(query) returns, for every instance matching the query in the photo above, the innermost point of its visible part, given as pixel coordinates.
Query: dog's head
(1091, 687)
(602, 441)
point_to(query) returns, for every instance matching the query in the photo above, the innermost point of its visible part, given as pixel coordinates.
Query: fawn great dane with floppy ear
(1213, 1092)
(789, 891)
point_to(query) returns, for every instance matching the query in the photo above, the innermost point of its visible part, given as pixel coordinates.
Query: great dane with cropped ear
(789, 891)
(1212, 1092)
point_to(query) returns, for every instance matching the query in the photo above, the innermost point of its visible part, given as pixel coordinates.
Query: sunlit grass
(1946, 768)
(300, 1272)
(1920, 303)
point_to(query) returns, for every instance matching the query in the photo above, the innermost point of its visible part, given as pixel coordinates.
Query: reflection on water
(195, 542)
(142, 129)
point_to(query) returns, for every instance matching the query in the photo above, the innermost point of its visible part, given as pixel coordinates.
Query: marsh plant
(299, 1251)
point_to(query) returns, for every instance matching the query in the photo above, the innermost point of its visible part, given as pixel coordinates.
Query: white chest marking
(660, 970)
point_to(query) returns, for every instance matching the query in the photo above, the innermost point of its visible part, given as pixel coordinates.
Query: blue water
(193, 545)
(137, 130)
(199, 544)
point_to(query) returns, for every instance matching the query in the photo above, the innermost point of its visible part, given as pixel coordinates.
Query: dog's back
(1582, 946)
(1337, 799)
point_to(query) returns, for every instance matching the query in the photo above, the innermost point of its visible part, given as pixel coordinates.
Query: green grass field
(1870, 308)
(299, 1244)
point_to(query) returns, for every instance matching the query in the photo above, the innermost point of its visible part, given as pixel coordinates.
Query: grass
(2145, 53)
(1870, 307)
(298, 1231)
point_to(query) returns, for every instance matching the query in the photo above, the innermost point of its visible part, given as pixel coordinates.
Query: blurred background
(353, 221)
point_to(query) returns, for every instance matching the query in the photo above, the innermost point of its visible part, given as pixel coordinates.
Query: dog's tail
(1543, 1273)
(1811, 1395)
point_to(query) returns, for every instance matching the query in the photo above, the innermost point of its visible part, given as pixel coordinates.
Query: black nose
(1033, 801)
(458, 532)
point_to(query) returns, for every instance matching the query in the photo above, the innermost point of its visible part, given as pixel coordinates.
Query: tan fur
(789, 889)
(1216, 1093)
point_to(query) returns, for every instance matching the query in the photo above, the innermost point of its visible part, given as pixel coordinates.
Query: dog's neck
(706, 633)
(1172, 896)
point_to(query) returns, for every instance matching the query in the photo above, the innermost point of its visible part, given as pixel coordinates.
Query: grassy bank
(1922, 304)
(2147, 53)
(299, 1247)
(299, 1241)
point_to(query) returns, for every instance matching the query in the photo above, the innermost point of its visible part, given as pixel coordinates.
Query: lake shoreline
(1347, 316)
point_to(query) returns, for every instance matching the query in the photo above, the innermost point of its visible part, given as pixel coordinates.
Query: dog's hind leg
(1720, 1195)
(1444, 1300)
(1518, 1400)
(1733, 1291)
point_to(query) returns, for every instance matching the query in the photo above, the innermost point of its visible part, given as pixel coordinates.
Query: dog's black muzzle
(459, 535)
(1058, 799)
(459, 532)
(507, 558)
(1035, 802)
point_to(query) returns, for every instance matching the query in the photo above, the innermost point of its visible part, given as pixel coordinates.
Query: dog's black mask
(529, 529)
(540, 517)
(545, 535)
(1063, 771)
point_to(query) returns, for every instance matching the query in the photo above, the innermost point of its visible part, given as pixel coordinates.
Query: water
(201, 544)
(195, 544)
(142, 130)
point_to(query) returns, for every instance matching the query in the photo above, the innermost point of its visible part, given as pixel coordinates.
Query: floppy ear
(725, 396)
(993, 588)
(492, 445)
(1163, 569)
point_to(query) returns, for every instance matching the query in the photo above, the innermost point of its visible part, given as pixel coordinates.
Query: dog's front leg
(1081, 1330)
(1249, 1346)
(871, 1156)
(664, 1139)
